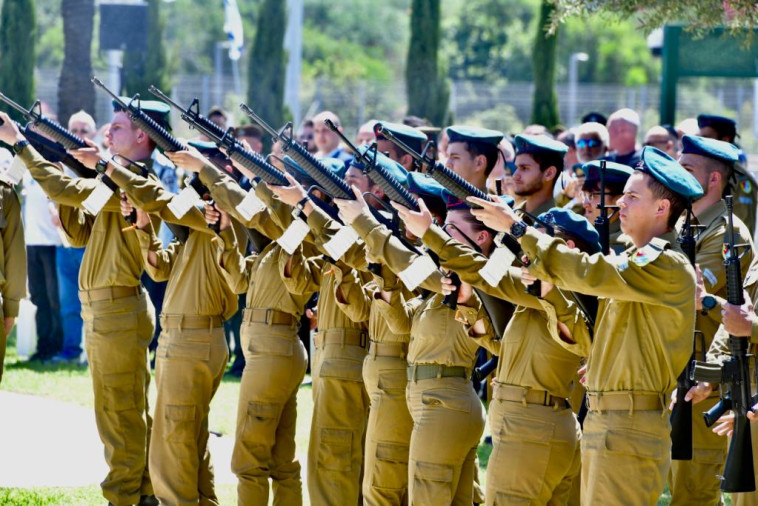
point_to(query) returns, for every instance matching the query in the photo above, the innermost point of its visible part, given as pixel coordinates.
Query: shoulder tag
(649, 252)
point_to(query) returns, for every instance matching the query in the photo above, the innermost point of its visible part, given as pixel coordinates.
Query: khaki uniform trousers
(189, 365)
(275, 363)
(695, 481)
(3, 342)
(750, 498)
(448, 421)
(625, 456)
(535, 456)
(118, 331)
(388, 434)
(340, 411)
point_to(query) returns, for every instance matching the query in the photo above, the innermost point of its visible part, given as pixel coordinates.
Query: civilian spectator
(591, 141)
(622, 130)
(327, 142)
(661, 138)
(252, 134)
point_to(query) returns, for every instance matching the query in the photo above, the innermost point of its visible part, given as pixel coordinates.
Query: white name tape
(14, 172)
(98, 198)
(293, 236)
(338, 245)
(421, 268)
(497, 265)
(250, 205)
(182, 203)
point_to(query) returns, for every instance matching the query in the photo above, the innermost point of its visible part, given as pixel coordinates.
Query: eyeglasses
(589, 196)
(587, 143)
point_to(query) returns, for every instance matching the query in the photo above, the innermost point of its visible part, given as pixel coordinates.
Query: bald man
(327, 142)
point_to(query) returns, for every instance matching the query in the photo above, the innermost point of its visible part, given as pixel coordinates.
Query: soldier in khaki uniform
(710, 161)
(275, 359)
(117, 319)
(12, 263)
(616, 176)
(643, 333)
(536, 436)
(192, 351)
(539, 162)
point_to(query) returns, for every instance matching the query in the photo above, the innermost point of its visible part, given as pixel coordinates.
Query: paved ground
(48, 443)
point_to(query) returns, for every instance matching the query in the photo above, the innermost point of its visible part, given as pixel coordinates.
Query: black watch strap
(301, 205)
(20, 145)
(518, 229)
(101, 166)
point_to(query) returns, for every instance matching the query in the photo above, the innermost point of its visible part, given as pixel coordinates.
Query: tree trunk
(545, 103)
(75, 91)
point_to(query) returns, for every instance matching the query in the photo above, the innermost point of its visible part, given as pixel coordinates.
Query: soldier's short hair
(678, 203)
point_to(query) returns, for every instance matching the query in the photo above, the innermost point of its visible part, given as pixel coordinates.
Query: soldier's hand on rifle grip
(696, 394)
(350, 209)
(738, 320)
(88, 156)
(215, 215)
(447, 286)
(9, 132)
(190, 160)
(725, 425)
(496, 215)
(417, 223)
(291, 194)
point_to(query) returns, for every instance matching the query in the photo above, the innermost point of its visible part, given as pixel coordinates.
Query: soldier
(710, 162)
(616, 176)
(117, 316)
(539, 162)
(13, 267)
(413, 137)
(472, 153)
(642, 338)
(746, 187)
(536, 437)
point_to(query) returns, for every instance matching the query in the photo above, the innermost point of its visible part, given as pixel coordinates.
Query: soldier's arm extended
(396, 310)
(235, 267)
(466, 262)
(149, 195)
(76, 225)
(353, 296)
(301, 274)
(158, 260)
(566, 323)
(324, 228)
(13, 279)
(663, 280)
(228, 195)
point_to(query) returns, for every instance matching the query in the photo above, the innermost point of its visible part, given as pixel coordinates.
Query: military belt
(525, 395)
(625, 400)
(180, 322)
(429, 371)
(108, 293)
(349, 337)
(397, 350)
(269, 317)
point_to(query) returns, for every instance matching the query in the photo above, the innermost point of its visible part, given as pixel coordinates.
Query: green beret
(206, 148)
(614, 172)
(572, 224)
(423, 185)
(474, 134)
(294, 168)
(413, 137)
(529, 144)
(392, 167)
(157, 110)
(723, 126)
(336, 165)
(718, 150)
(669, 173)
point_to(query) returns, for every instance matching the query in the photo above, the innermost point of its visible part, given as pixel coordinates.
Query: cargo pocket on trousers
(393, 381)
(259, 431)
(266, 345)
(118, 391)
(432, 483)
(391, 469)
(634, 444)
(450, 399)
(349, 370)
(180, 424)
(115, 323)
(335, 450)
(521, 457)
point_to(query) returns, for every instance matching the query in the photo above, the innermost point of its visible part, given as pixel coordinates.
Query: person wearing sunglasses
(591, 141)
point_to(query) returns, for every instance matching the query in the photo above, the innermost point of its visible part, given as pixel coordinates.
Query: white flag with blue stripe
(233, 28)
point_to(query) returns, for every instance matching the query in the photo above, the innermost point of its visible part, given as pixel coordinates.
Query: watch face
(709, 302)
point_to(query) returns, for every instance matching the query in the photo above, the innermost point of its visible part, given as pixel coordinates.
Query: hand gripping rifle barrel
(250, 160)
(739, 473)
(322, 175)
(51, 128)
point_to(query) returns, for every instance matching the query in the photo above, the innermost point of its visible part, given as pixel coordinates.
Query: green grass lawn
(72, 384)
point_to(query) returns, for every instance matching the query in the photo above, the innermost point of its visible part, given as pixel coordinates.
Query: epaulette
(649, 252)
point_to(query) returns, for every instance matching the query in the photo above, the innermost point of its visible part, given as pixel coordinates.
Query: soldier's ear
(550, 173)
(570, 243)
(664, 206)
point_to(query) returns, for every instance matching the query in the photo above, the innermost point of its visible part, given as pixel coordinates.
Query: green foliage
(428, 90)
(18, 29)
(502, 117)
(141, 69)
(341, 61)
(545, 103)
(49, 33)
(267, 64)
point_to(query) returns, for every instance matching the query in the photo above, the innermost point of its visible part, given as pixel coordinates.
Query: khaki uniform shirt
(646, 313)
(13, 253)
(112, 257)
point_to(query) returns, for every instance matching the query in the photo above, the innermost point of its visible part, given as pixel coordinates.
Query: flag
(233, 28)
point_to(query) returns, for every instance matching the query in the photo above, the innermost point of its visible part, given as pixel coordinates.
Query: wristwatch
(19, 146)
(708, 302)
(518, 229)
(301, 205)
(101, 166)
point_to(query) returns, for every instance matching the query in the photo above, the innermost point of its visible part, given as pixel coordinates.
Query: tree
(141, 69)
(75, 91)
(18, 31)
(266, 72)
(545, 102)
(427, 87)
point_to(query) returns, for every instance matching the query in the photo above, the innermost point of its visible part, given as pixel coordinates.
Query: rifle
(602, 222)
(250, 160)
(681, 415)
(739, 474)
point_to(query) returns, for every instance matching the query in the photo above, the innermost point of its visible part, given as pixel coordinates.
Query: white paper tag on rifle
(338, 245)
(421, 268)
(182, 203)
(293, 236)
(98, 198)
(497, 265)
(14, 173)
(250, 206)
